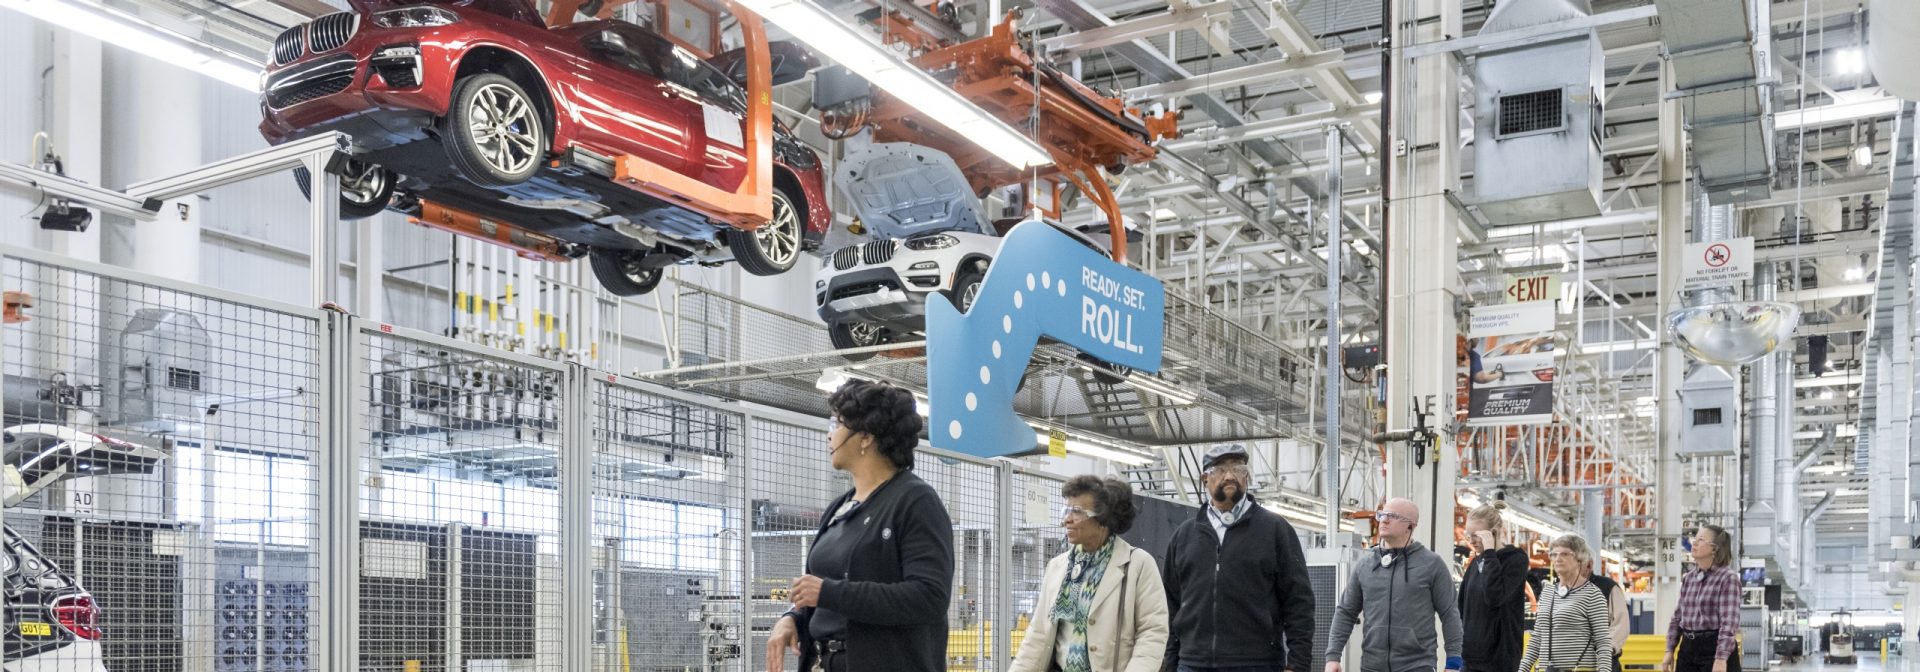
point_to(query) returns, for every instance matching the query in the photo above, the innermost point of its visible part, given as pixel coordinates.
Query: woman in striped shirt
(1570, 631)
(1704, 626)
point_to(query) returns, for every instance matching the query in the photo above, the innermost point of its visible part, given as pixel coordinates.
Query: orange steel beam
(750, 205)
(997, 73)
(529, 244)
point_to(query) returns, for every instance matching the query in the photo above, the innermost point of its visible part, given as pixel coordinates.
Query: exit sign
(1524, 288)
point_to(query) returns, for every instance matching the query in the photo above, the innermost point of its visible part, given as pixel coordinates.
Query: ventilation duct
(1537, 119)
(1891, 49)
(1719, 52)
(1757, 537)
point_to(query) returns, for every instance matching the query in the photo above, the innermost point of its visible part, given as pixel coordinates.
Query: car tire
(847, 335)
(493, 132)
(365, 189)
(775, 246)
(620, 273)
(966, 288)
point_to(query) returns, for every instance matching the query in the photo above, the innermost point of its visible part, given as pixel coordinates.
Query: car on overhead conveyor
(52, 623)
(476, 114)
(928, 236)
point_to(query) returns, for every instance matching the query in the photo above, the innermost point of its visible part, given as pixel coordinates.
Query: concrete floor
(1868, 663)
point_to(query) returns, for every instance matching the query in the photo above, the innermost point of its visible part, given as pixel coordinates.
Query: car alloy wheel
(967, 296)
(503, 125)
(779, 239)
(624, 273)
(864, 333)
(365, 184)
(773, 247)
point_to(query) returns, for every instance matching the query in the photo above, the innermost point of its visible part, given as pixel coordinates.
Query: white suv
(876, 292)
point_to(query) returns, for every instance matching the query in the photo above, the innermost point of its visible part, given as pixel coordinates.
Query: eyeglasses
(1560, 554)
(1075, 513)
(1386, 517)
(833, 423)
(1235, 468)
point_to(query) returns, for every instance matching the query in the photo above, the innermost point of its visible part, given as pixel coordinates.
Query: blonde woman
(1571, 631)
(1102, 607)
(1493, 599)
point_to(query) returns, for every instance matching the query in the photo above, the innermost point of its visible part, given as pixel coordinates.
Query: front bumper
(879, 296)
(385, 87)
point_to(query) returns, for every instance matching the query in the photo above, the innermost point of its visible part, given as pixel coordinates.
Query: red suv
(477, 106)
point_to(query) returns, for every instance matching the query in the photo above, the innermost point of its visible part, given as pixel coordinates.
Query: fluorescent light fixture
(1373, 97)
(1855, 273)
(860, 52)
(1151, 385)
(1164, 214)
(1863, 154)
(112, 26)
(1090, 448)
(1849, 106)
(1547, 254)
(1848, 61)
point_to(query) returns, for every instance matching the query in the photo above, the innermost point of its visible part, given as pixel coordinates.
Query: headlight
(935, 242)
(417, 16)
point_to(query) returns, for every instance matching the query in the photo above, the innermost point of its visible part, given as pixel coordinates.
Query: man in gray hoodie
(1395, 592)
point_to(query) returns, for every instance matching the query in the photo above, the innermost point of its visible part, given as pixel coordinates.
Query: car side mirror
(607, 48)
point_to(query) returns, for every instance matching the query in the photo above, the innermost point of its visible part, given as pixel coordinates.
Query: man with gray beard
(1238, 599)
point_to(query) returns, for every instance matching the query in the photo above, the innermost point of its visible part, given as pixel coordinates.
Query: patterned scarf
(1084, 571)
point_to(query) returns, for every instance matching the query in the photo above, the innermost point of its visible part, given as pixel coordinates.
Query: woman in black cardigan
(880, 570)
(1492, 595)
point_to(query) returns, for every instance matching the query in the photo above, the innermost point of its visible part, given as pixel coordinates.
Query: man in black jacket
(1237, 592)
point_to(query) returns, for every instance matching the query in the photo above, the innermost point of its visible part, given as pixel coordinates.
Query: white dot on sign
(996, 349)
(953, 429)
(1063, 289)
(1018, 300)
(1029, 282)
(973, 403)
(1046, 279)
(986, 375)
(1006, 323)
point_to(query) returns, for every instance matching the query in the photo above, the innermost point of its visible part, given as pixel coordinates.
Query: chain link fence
(204, 482)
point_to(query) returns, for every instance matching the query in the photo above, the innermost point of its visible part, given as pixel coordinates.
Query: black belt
(1695, 634)
(830, 645)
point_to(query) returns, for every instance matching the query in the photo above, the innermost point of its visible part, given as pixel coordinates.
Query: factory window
(257, 497)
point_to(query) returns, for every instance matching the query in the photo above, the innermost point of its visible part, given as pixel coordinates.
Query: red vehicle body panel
(597, 105)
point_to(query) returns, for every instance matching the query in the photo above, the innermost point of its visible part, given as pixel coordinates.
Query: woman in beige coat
(1101, 607)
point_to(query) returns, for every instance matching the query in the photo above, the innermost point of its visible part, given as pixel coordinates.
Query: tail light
(1543, 375)
(79, 615)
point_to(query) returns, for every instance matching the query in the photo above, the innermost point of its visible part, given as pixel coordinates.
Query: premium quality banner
(1510, 366)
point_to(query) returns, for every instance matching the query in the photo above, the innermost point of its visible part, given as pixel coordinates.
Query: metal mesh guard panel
(1531, 112)
(460, 497)
(194, 548)
(666, 532)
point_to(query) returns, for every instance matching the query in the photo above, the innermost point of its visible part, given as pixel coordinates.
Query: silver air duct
(1720, 50)
(1757, 538)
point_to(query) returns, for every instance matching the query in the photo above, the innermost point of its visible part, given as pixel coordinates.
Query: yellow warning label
(1056, 443)
(35, 629)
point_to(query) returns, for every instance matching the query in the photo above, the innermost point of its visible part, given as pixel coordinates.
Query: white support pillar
(1670, 368)
(74, 124)
(153, 124)
(1424, 264)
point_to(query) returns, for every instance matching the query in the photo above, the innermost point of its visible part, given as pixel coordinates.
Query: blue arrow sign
(1042, 283)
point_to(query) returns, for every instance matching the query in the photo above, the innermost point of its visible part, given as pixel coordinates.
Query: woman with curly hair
(1102, 605)
(880, 569)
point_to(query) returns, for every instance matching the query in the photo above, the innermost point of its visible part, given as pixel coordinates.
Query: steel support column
(1335, 376)
(1423, 256)
(1670, 368)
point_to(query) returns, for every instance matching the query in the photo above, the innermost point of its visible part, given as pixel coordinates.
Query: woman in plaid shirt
(1708, 619)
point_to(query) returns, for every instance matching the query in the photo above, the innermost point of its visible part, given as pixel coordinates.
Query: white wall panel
(18, 117)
